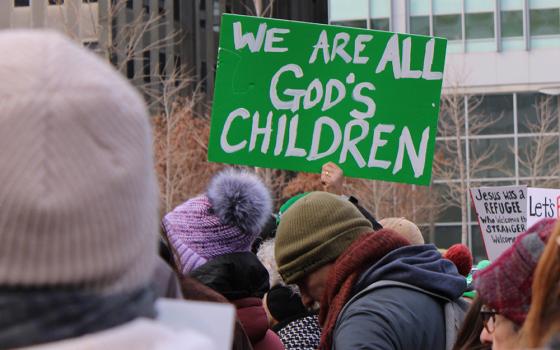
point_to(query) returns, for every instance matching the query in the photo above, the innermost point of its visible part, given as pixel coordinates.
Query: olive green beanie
(314, 231)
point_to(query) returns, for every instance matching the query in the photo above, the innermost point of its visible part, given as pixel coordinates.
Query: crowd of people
(83, 262)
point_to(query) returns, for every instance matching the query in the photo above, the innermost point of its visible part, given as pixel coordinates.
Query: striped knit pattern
(78, 195)
(196, 234)
(505, 285)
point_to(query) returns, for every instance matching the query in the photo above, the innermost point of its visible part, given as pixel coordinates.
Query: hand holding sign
(332, 178)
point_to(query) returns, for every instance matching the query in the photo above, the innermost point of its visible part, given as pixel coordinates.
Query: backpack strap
(454, 310)
(454, 314)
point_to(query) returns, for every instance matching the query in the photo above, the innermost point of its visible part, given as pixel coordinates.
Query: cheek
(505, 337)
(316, 290)
(485, 337)
(306, 298)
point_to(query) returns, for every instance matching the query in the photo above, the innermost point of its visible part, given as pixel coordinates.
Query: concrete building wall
(493, 72)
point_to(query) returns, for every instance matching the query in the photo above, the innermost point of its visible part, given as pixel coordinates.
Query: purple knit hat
(226, 219)
(505, 285)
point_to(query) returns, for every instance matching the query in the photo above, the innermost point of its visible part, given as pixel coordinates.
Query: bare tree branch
(540, 156)
(450, 166)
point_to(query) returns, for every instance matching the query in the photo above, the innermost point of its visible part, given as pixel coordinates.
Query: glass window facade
(518, 139)
(479, 25)
(358, 23)
(419, 7)
(492, 112)
(380, 24)
(526, 111)
(446, 236)
(380, 14)
(511, 23)
(448, 26)
(537, 147)
(419, 19)
(420, 25)
(373, 14)
(445, 7)
(469, 25)
(545, 21)
(339, 10)
(446, 18)
(479, 19)
(477, 244)
(532, 108)
(494, 157)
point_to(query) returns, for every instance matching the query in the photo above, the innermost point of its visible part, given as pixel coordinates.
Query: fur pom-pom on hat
(240, 199)
(226, 219)
(461, 256)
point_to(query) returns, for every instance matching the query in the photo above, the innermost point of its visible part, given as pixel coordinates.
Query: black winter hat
(283, 303)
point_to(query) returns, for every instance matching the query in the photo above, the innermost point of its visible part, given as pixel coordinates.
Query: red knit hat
(505, 285)
(461, 256)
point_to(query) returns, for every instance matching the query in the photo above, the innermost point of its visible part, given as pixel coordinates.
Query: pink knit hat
(226, 219)
(505, 285)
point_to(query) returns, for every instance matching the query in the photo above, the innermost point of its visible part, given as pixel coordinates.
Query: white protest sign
(542, 203)
(502, 216)
(215, 320)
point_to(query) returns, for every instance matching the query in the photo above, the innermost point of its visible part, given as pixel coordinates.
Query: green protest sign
(295, 95)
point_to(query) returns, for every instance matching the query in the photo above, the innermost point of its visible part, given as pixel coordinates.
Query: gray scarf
(30, 317)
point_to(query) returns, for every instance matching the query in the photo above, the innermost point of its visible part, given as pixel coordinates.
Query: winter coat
(398, 317)
(243, 280)
(194, 290)
(301, 332)
(169, 331)
(252, 315)
(140, 334)
(165, 281)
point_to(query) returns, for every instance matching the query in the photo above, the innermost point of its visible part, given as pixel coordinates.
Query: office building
(504, 57)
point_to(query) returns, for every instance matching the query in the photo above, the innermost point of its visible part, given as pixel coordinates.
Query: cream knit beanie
(78, 195)
(404, 227)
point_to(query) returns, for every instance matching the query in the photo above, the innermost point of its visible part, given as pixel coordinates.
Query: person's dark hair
(165, 252)
(468, 337)
(283, 304)
(268, 232)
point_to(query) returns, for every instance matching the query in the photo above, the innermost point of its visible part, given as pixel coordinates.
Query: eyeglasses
(487, 315)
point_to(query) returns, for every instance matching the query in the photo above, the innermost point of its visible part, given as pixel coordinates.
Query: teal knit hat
(288, 204)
